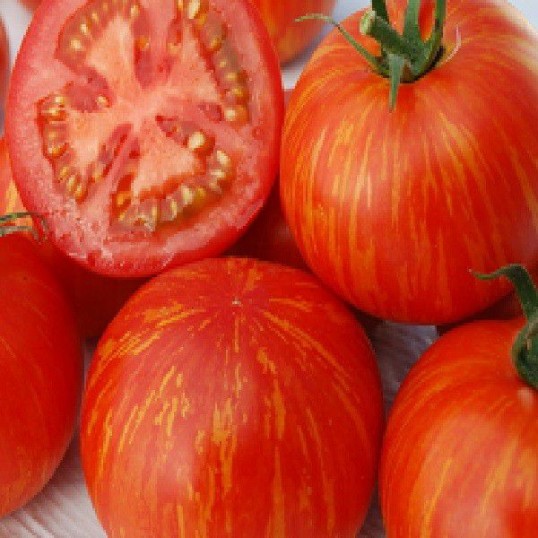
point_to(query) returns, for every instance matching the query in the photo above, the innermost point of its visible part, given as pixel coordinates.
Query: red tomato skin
(41, 373)
(459, 454)
(289, 36)
(31, 4)
(393, 209)
(232, 397)
(95, 298)
(4, 62)
(213, 231)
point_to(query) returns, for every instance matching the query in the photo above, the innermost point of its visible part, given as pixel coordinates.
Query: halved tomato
(151, 137)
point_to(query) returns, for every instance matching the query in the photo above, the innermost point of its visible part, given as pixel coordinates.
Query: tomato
(459, 455)
(95, 298)
(31, 4)
(269, 237)
(392, 208)
(41, 373)
(292, 37)
(152, 137)
(4, 61)
(232, 397)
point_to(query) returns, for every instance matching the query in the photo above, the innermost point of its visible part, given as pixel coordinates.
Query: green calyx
(404, 57)
(525, 347)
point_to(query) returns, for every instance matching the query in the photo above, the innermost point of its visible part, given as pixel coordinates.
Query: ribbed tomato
(41, 373)
(151, 138)
(292, 37)
(460, 454)
(232, 397)
(392, 208)
(95, 298)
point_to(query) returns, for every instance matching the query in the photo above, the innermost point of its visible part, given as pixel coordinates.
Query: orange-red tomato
(289, 36)
(232, 397)
(4, 62)
(41, 373)
(31, 4)
(460, 450)
(392, 209)
(95, 298)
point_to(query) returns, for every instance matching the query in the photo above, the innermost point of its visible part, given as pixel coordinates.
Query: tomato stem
(7, 228)
(404, 57)
(525, 347)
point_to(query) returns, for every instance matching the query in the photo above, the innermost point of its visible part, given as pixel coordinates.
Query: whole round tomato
(41, 373)
(232, 397)
(290, 36)
(4, 62)
(96, 298)
(392, 208)
(151, 138)
(459, 455)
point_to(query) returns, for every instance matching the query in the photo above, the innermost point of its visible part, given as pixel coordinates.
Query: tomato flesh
(157, 128)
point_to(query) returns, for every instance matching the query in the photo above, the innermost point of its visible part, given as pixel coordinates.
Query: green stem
(525, 347)
(6, 226)
(391, 41)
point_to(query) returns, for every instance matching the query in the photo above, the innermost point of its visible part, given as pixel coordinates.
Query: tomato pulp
(394, 208)
(232, 397)
(152, 136)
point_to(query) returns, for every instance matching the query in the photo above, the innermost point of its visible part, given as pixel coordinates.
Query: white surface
(63, 509)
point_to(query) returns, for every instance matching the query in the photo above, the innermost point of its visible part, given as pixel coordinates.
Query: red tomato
(31, 4)
(95, 298)
(232, 397)
(151, 138)
(4, 61)
(392, 209)
(292, 37)
(269, 237)
(459, 455)
(41, 372)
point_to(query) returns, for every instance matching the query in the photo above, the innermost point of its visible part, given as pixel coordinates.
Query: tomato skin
(459, 454)
(95, 298)
(41, 373)
(269, 237)
(31, 4)
(291, 37)
(238, 394)
(393, 209)
(4, 62)
(93, 230)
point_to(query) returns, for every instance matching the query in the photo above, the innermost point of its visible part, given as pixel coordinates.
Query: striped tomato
(460, 455)
(393, 207)
(289, 36)
(232, 397)
(41, 373)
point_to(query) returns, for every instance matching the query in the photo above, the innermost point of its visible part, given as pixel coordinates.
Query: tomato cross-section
(146, 133)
